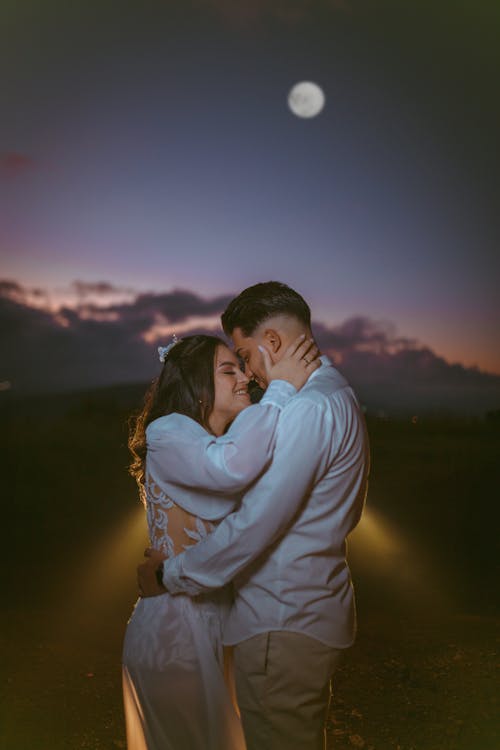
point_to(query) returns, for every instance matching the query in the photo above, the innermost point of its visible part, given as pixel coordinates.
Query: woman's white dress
(175, 695)
(173, 681)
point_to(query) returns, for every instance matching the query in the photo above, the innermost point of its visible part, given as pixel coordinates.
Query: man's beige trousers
(283, 687)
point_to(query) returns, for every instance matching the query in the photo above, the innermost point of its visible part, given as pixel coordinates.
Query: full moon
(306, 99)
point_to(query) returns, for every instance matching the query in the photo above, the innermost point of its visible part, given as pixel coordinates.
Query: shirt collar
(325, 362)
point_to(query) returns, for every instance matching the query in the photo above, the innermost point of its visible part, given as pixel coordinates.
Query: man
(285, 546)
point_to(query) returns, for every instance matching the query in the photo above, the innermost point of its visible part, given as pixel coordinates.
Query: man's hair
(262, 301)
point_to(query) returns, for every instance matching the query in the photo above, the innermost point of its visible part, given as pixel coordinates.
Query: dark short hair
(262, 301)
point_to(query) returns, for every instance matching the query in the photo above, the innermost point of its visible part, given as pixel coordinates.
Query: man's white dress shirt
(285, 546)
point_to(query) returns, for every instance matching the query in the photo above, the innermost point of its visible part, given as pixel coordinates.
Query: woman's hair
(185, 386)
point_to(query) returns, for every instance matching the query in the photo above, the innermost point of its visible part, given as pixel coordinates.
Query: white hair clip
(164, 350)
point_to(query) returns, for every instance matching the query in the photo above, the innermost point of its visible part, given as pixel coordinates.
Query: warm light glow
(101, 316)
(379, 549)
(104, 578)
(377, 538)
(110, 567)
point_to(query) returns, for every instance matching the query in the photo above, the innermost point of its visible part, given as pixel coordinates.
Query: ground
(422, 673)
(405, 685)
(409, 685)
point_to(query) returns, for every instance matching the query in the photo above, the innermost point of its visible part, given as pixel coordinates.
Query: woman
(195, 432)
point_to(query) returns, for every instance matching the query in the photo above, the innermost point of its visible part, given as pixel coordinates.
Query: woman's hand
(297, 363)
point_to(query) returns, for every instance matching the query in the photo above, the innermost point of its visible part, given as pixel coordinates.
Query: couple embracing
(248, 507)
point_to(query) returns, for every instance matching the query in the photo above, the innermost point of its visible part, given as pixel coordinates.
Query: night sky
(148, 148)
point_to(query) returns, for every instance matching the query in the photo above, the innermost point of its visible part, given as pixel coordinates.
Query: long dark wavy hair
(185, 386)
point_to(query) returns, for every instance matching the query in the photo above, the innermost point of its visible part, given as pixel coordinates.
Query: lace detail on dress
(171, 529)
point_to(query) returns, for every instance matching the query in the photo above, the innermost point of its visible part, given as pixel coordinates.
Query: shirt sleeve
(267, 509)
(198, 460)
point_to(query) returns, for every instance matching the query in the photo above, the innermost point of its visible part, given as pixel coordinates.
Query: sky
(147, 150)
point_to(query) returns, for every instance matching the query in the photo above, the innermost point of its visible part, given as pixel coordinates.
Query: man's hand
(147, 579)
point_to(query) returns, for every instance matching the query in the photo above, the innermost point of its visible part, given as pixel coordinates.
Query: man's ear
(273, 340)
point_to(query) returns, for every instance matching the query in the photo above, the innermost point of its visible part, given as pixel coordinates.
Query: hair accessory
(164, 350)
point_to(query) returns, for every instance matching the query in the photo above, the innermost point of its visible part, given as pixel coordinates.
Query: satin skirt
(175, 695)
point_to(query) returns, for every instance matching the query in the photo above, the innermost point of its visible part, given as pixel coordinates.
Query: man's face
(246, 347)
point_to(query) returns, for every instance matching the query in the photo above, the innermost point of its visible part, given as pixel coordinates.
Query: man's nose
(249, 373)
(243, 377)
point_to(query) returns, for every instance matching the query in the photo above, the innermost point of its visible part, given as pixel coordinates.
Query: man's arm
(303, 433)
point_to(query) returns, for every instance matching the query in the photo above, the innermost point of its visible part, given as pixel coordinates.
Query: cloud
(151, 317)
(11, 289)
(105, 288)
(174, 306)
(26, 295)
(393, 374)
(90, 345)
(13, 164)
(362, 334)
(44, 351)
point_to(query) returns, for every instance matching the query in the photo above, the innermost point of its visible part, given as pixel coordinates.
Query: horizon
(109, 336)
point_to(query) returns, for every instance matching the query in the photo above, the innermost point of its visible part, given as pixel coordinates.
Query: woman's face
(231, 392)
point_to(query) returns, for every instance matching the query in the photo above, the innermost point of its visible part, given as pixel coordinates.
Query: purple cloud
(362, 334)
(91, 346)
(11, 289)
(99, 288)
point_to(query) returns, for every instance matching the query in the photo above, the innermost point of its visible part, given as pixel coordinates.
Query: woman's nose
(243, 376)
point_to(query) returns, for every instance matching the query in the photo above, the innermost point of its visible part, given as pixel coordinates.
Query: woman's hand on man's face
(297, 363)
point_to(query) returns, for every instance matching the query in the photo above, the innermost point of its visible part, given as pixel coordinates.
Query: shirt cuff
(171, 575)
(278, 393)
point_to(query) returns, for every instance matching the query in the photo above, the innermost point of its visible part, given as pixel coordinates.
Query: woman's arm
(183, 453)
